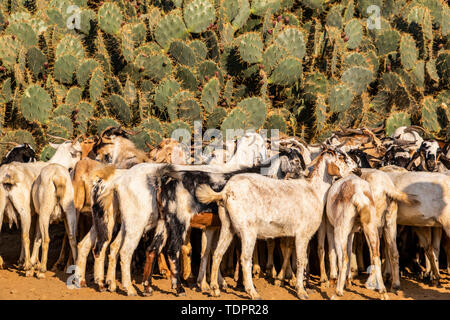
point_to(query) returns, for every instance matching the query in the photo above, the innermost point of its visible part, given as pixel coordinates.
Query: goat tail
(205, 194)
(101, 200)
(60, 186)
(403, 197)
(364, 206)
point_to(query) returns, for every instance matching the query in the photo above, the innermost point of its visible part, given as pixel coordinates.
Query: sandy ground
(14, 285)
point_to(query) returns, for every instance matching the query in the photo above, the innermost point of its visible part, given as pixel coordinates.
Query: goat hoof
(27, 267)
(224, 286)
(348, 283)
(333, 282)
(215, 292)
(204, 287)
(29, 273)
(148, 294)
(324, 284)
(181, 292)
(277, 282)
(256, 272)
(293, 282)
(40, 275)
(101, 287)
(395, 288)
(334, 297)
(256, 297)
(83, 284)
(57, 267)
(339, 293)
(131, 293)
(302, 295)
(111, 285)
(436, 283)
(384, 296)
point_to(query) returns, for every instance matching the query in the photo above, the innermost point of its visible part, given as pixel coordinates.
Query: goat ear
(285, 165)
(333, 170)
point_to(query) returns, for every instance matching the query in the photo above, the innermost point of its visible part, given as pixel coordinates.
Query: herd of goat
(110, 195)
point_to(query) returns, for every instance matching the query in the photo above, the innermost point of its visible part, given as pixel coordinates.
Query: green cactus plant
(110, 17)
(307, 68)
(36, 104)
(198, 15)
(210, 94)
(395, 120)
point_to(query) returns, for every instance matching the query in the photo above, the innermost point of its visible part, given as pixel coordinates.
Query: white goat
(16, 180)
(433, 192)
(254, 206)
(385, 196)
(350, 206)
(53, 200)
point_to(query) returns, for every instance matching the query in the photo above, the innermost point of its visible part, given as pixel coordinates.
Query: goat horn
(11, 142)
(402, 142)
(55, 137)
(131, 133)
(410, 129)
(377, 130)
(351, 130)
(149, 146)
(76, 138)
(106, 129)
(343, 143)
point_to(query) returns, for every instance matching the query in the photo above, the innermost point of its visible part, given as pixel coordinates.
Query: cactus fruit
(354, 33)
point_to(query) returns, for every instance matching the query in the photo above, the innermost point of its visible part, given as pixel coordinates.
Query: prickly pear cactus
(303, 68)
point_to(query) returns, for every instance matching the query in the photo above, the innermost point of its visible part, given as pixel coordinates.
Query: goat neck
(319, 178)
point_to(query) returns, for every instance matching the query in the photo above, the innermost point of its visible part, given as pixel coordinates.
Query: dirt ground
(14, 285)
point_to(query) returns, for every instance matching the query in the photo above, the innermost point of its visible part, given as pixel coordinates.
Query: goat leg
(58, 265)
